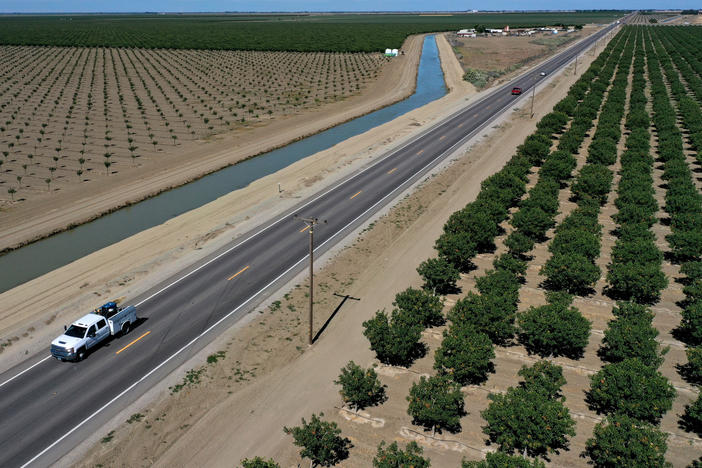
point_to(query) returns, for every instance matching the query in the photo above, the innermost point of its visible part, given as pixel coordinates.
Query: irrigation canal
(38, 258)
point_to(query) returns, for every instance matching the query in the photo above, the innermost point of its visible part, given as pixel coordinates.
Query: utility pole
(533, 91)
(310, 224)
(576, 65)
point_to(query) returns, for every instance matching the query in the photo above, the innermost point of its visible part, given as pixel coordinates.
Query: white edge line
(99, 410)
(26, 370)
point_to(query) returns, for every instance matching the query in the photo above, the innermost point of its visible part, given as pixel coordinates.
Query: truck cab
(83, 334)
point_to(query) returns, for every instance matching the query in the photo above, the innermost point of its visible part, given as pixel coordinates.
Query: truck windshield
(75, 331)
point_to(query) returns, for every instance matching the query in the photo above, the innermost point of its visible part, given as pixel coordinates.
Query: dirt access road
(267, 377)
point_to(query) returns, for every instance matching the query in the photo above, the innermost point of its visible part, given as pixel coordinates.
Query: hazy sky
(40, 6)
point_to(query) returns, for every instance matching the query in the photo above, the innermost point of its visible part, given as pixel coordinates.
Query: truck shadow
(120, 339)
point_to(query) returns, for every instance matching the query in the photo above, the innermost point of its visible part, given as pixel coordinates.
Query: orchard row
(644, 150)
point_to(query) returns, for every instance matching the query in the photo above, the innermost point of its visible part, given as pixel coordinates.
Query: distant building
(466, 33)
(391, 52)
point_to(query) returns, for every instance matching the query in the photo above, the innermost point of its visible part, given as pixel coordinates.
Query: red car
(516, 91)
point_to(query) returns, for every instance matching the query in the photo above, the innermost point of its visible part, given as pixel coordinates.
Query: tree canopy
(621, 441)
(395, 340)
(465, 355)
(632, 388)
(524, 420)
(320, 440)
(436, 403)
(394, 457)
(360, 387)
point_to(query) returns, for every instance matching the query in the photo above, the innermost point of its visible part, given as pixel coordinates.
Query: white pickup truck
(92, 329)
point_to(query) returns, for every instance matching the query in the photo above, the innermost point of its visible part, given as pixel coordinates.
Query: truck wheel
(81, 354)
(125, 328)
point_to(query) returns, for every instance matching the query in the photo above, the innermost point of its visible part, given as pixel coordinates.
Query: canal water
(38, 258)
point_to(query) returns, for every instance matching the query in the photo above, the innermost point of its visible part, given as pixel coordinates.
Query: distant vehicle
(543, 73)
(92, 329)
(516, 91)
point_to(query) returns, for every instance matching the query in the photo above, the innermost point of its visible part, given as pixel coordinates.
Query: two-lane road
(48, 407)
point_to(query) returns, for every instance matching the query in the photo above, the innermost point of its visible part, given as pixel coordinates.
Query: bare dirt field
(268, 378)
(83, 131)
(497, 56)
(687, 19)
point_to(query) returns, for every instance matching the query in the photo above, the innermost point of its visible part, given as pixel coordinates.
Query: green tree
(465, 355)
(436, 403)
(535, 147)
(631, 336)
(632, 388)
(690, 328)
(553, 330)
(686, 245)
(477, 221)
(395, 340)
(594, 181)
(487, 313)
(422, 304)
(693, 269)
(621, 441)
(552, 123)
(503, 460)
(258, 462)
(641, 283)
(320, 440)
(394, 457)
(691, 420)
(499, 282)
(439, 275)
(360, 387)
(692, 370)
(519, 243)
(572, 272)
(528, 421)
(458, 249)
(543, 377)
(584, 243)
(511, 263)
(533, 222)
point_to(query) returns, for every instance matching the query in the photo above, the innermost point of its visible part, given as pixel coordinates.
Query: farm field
(75, 116)
(293, 32)
(587, 290)
(488, 58)
(600, 205)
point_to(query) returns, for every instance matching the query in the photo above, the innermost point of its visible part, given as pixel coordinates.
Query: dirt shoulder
(268, 378)
(76, 204)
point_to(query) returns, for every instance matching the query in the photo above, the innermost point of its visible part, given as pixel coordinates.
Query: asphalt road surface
(48, 407)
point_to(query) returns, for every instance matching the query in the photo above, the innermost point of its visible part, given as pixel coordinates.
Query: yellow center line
(420, 151)
(305, 228)
(355, 195)
(442, 137)
(392, 170)
(460, 125)
(238, 273)
(142, 336)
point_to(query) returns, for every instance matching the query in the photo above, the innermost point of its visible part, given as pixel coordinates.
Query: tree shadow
(689, 424)
(687, 372)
